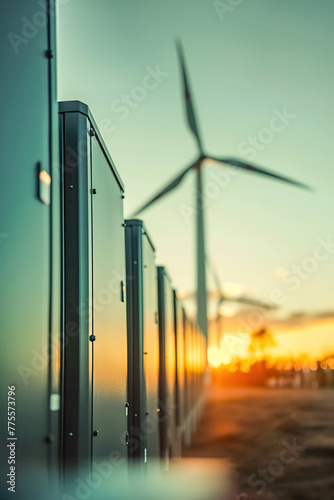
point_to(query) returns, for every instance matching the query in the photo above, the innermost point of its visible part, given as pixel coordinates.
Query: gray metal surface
(195, 365)
(166, 367)
(151, 347)
(179, 372)
(143, 343)
(76, 406)
(79, 107)
(29, 240)
(109, 310)
(94, 356)
(137, 439)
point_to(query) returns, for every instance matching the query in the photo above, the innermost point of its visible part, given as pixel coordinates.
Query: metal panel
(29, 242)
(179, 372)
(94, 357)
(151, 347)
(188, 376)
(137, 447)
(170, 367)
(82, 108)
(77, 291)
(109, 310)
(163, 413)
(143, 343)
(166, 367)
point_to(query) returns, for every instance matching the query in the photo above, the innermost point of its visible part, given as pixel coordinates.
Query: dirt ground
(280, 442)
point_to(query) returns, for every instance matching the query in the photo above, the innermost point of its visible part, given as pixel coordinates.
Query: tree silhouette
(261, 341)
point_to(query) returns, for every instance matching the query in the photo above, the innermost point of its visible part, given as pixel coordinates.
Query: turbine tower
(202, 319)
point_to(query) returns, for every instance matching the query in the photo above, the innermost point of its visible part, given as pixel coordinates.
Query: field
(280, 443)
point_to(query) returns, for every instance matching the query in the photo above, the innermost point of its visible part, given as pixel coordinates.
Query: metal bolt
(96, 433)
(94, 191)
(92, 132)
(92, 338)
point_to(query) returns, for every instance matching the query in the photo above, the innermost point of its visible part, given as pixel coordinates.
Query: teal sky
(261, 56)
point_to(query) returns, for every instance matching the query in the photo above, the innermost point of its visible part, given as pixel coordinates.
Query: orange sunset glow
(305, 344)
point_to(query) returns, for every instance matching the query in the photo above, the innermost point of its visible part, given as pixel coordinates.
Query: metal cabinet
(194, 371)
(143, 343)
(180, 378)
(29, 243)
(95, 344)
(168, 440)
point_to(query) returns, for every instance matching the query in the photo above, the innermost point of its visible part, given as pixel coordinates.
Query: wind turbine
(197, 166)
(225, 298)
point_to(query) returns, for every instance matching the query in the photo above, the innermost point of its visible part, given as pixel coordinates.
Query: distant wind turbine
(202, 319)
(221, 298)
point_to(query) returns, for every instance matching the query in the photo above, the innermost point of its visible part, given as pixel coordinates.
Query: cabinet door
(109, 356)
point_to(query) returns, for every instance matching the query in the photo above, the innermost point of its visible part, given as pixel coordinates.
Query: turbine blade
(253, 168)
(211, 294)
(251, 302)
(189, 106)
(170, 186)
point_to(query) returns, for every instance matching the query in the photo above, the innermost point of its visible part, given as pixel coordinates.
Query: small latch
(122, 291)
(44, 185)
(54, 402)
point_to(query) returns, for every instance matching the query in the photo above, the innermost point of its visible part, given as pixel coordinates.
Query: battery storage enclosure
(194, 372)
(29, 249)
(180, 369)
(95, 344)
(143, 344)
(168, 431)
